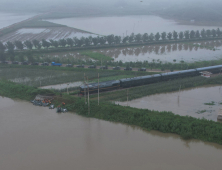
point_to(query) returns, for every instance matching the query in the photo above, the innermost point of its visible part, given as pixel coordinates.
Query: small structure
(206, 74)
(192, 21)
(219, 116)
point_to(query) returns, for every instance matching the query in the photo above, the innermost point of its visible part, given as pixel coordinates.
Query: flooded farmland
(125, 25)
(54, 33)
(36, 138)
(175, 52)
(197, 102)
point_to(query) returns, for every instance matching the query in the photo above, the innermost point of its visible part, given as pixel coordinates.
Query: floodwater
(187, 102)
(188, 52)
(36, 138)
(63, 86)
(125, 25)
(7, 19)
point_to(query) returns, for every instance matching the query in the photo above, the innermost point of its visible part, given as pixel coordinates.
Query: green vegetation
(201, 111)
(96, 56)
(165, 122)
(211, 103)
(13, 90)
(161, 87)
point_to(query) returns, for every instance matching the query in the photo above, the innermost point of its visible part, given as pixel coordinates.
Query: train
(143, 80)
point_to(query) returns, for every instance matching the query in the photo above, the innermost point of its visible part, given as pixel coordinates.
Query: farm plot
(54, 33)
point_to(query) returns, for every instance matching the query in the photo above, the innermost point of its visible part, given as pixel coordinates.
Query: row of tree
(102, 40)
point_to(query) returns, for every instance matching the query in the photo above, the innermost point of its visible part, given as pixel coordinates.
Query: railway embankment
(166, 122)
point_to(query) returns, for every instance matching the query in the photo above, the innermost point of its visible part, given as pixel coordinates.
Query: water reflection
(191, 52)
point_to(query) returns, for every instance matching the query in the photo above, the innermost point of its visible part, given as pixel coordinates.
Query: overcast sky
(45, 5)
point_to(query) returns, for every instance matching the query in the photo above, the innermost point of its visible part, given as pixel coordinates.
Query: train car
(179, 74)
(212, 69)
(103, 86)
(138, 81)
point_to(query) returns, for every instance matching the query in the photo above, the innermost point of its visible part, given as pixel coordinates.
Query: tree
(87, 42)
(203, 33)
(110, 39)
(36, 44)
(62, 42)
(181, 35)
(145, 37)
(208, 33)
(54, 43)
(138, 37)
(214, 33)
(192, 34)
(151, 37)
(2, 47)
(11, 55)
(175, 35)
(218, 32)
(169, 35)
(45, 43)
(131, 38)
(2, 56)
(163, 35)
(28, 44)
(125, 39)
(10, 46)
(70, 42)
(76, 41)
(117, 39)
(19, 45)
(187, 34)
(197, 34)
(95, 40)
(157, 36)
(102, 40)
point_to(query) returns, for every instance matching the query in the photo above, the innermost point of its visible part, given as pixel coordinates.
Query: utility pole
(67, 89)
(127, 91)
(40, 83)
(98, 88)
(88, 97)
(84, 87)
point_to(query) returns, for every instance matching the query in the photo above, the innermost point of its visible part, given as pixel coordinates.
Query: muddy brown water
(187, 102)
(36, 138)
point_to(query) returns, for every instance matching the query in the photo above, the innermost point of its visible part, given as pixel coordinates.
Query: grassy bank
(165, 122)
(161, 87)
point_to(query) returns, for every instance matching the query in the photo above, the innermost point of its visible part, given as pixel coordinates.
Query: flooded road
(193, 102)
(125, 25)
(36, 138)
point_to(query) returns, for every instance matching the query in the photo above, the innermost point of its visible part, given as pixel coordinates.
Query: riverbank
(165, 122)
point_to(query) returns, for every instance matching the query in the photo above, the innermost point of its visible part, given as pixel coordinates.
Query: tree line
(103, 40)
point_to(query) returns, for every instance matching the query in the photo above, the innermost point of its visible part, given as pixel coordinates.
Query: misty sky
(46, 5)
